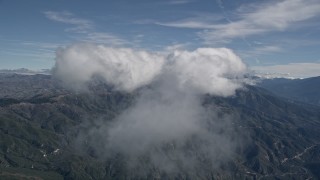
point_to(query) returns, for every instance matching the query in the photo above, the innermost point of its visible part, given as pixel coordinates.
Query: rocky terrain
(40, 123)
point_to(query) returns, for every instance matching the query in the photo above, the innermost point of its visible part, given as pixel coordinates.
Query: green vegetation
(39, 139)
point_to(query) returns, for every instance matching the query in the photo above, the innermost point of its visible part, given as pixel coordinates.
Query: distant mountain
(40, 122)
(303, 90)
(25, 71)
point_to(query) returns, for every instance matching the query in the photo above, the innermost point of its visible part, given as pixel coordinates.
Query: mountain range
(303, 90)
(42, 125)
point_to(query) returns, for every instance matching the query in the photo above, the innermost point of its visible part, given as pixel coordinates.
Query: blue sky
(274, 34)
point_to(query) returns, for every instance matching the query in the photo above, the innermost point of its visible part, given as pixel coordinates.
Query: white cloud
(262, 18)
(293, 70)
(178, 46)
(167, 123)
(189, 23)
(80, 25)
(260, 50)
(269, 49)
(205, 70)
(180, 1)
(208, 70)
(124, 68)
(198, 21)
(85, 28)
(105, 38)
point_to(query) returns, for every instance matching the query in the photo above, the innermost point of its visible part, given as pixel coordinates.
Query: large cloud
(167, 127)
(124, 68)
(208, 70)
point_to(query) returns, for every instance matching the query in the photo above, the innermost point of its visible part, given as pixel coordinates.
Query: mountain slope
(39, 130)
(303, 90)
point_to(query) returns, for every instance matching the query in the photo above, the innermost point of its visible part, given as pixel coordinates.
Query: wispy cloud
(256, 52)
(40, 51)
(80, 25)
(295, 70)
(36, 54)
(41, 45)
(105, 38)
(188, 23)
(254, 20)
(268, 49)
(178, 46)
(197, 21)
(85, 28)
(269, 17)
(180, 1)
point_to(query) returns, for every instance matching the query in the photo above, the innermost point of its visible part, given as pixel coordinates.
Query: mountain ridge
(39, 133)
(300, 90)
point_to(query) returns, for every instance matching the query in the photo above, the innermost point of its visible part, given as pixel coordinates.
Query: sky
(270, 36)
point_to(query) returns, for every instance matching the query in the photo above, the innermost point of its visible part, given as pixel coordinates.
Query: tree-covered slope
(43, 128)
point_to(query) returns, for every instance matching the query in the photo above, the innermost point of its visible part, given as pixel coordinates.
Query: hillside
(303, 90)
(44, 131)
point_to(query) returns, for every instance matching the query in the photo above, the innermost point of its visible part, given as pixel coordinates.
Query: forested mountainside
(44, 134)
